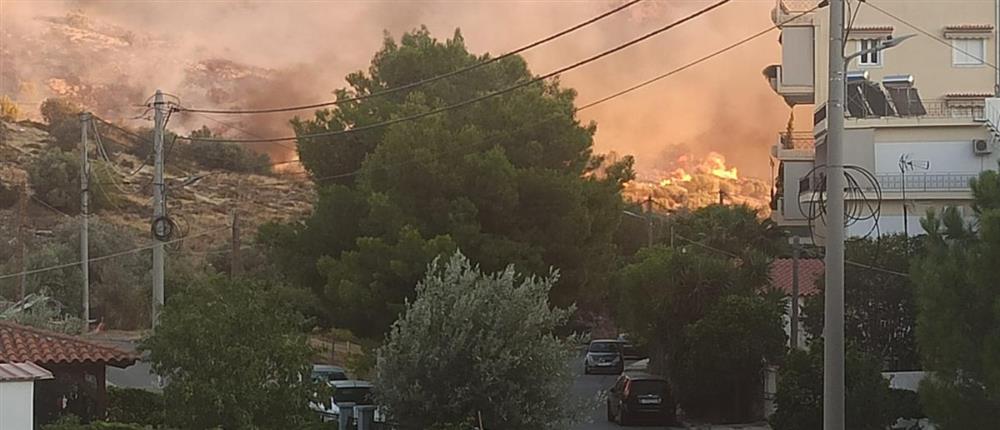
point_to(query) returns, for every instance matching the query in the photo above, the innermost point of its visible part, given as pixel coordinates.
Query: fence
(920, 181)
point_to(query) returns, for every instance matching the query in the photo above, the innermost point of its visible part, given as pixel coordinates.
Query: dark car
(639, 397)
(604, 356)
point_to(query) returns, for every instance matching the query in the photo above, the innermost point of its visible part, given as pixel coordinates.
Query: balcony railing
(922, 181)
(797, 140)
(935, 109)
(797, 5)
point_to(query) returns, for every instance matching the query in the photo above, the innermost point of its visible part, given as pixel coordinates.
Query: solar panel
(907, 101)
(877, 102)
(856, 106)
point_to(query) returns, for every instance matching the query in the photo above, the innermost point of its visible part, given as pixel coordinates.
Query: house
(77, 367)
(17, 389)
(921, 117)
(782, 277)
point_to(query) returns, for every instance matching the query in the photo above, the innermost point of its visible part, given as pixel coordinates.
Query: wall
(16, 405)
(797, 56)
(793, 172)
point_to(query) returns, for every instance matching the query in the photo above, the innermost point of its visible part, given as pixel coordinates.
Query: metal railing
(797, 5)
(938, 109)
(797, 140)
(922, 181)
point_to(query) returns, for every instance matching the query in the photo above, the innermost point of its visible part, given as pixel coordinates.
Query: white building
(17, 394)
(921, 116)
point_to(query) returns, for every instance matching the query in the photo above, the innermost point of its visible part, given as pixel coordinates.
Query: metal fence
(920, 181)
(937, 109)
(798, 5)
(797, 140)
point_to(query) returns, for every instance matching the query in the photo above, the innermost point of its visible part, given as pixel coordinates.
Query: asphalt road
(590, 388)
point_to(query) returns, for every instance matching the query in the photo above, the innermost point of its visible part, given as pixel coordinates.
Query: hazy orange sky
(723, 105)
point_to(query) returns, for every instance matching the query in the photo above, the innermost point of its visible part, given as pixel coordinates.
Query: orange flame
(715, 164)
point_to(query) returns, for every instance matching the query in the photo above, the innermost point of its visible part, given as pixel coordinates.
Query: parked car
(604, 356)
(353, 392)
(327, 373)
(637, 397)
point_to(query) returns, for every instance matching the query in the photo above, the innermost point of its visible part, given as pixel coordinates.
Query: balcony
(787, 9)
(795, 146)
(931, 110)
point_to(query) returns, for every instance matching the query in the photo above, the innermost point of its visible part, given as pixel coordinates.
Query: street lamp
(833, 324)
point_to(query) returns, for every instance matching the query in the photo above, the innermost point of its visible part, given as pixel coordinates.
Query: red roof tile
(10, 372)
(810, 270)
(19, 344)
(969, 27)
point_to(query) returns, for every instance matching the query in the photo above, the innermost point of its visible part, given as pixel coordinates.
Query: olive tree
(473, 345)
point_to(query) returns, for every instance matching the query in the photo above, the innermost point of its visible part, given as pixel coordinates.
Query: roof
(15, 372)
(20, 344)
(810, 270)
(969, 27)
(872, 28)
(969, 95)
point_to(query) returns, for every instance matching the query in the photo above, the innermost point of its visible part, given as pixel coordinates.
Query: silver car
(604, 356)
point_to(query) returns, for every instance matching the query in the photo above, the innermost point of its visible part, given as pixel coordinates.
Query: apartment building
(922, 117)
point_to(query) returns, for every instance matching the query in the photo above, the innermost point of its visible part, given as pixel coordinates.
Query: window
(968, 52)
(872, 58)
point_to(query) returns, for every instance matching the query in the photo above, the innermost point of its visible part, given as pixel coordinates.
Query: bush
(800, 392)
(70, 422)
(223, 156)
(8, 109)
(63, 118)
(134, 406)
(55, 178)
(9, 196)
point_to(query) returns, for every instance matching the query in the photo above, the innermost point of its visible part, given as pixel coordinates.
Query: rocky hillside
(198, 200)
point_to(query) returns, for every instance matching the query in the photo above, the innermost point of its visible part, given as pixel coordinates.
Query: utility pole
(722, 195)
(236, 265)
(22, 236)
(84, 215)
(158, 208)
(795, 292)
(649, 219)
(833, 324)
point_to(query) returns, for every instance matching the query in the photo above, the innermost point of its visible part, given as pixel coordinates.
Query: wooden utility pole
(22, 238)
(795, 293)
(722, 195)
(236, 264)
(649, 220)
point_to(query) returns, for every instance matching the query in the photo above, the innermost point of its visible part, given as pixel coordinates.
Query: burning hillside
(693, 182)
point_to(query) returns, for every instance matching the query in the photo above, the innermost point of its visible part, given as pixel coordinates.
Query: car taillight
(628, 387)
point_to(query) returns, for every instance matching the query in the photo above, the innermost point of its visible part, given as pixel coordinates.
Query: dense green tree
(63, 118)
(509, 180)
(958, 323)
(234, 356)
(475, 344)
(800, 392)
(214, 155)
(880, 314)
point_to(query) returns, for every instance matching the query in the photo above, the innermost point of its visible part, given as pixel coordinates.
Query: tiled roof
(969, 27)
(810, 270)
(20, 344)
(10, 372)
(969, 95)
(873, 28)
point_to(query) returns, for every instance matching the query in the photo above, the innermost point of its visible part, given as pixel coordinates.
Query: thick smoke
(261, 54)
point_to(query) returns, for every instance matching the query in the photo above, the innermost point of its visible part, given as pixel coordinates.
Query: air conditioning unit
(982, 147)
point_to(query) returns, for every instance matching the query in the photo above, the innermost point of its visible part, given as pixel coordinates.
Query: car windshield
(356, 395)
(605, 347)
(648, 387)
(328, 375)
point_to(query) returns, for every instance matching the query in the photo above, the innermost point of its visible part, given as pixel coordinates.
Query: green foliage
(800, 392)
(959, 312)
(135, 406)
(63, 118)
(474, 343)
(222, 156)
(70, 422)
(507, 180)
(234, 356)
(8, 109)
(55, 178)
(880, 314)
(736, 229)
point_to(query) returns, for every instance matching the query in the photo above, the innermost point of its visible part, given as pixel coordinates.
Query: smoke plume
(112, 55)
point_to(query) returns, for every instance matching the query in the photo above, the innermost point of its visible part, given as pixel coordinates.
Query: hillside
(204, 203)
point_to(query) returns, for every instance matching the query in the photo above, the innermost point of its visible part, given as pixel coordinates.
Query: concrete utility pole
(22, 238)
(236, 265)
(833, 324)
(795, 293)
(84, 214)
(159, 108)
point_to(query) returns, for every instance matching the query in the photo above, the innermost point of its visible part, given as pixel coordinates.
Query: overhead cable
(422, 81)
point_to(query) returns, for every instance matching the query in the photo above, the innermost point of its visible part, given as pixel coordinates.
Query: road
(587, 388)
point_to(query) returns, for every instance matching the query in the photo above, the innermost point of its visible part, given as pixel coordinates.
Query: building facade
(922, 117)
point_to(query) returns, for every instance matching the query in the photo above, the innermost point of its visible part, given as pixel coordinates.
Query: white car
(354, 392)
(604, 356)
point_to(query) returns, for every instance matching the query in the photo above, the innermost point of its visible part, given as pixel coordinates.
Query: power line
(427, 80)
(110, 256)
(933, 36)
(485, 96)
(698, 61)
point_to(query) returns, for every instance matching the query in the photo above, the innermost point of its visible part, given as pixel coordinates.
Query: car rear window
(648, 387)
(605, 347)
(356, 395)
